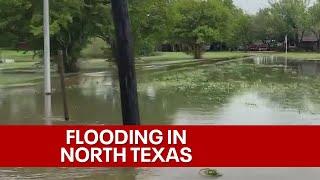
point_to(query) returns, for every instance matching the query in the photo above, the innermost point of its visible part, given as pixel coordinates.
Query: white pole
(286, 60)
(46, 35)
(286, 39)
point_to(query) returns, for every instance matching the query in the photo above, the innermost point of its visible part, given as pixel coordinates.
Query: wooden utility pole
(125, 61)
(63, 86)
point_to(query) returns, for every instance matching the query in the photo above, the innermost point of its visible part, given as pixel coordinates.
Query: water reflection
(47, 109)
(71, 173)
(304, 67)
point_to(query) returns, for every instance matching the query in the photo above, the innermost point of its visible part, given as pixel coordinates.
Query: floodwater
(257, 90)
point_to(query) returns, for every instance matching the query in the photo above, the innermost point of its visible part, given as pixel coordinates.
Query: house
(23, 45)
(309, 42)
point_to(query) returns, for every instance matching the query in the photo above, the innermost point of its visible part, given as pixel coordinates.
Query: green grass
(17, 65)
(18, 73)
(93, 64)
(95, 49)
(168, 56)
(296, 55)
(225, 55)
(22, 71)
(18, 56)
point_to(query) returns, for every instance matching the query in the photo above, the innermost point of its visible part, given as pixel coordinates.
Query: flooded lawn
(258, 90)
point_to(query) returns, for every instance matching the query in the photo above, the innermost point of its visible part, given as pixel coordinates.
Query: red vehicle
(259, 47)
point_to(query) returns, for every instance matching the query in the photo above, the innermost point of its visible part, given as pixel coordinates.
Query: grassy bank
(19, 73)
(171, 56)
(23, 60)
(17, 66)
(18, 56)
(166, 58)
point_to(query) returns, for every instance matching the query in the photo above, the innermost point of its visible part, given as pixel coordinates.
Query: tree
(72, 23)
(151, 21)
(71, 26)
(240, 29)
(14, 27)
(261, 27)
(290, 17)
(150, 24)
(267, 29)
(315, 21)
(198, 23)
(104, 27)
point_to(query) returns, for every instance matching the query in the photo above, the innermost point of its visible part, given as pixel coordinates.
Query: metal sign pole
(46, 57)
(46, 63)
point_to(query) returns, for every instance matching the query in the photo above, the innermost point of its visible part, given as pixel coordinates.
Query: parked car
(259, 47)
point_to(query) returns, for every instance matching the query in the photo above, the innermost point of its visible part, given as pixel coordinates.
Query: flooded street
(251, 91)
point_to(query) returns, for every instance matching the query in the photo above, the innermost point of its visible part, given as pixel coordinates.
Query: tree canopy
(199, 23)
(193, 25)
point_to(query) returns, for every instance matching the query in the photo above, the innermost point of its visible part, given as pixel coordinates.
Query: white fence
(7, 61)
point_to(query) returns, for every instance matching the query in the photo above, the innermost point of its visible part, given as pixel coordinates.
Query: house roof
(309, 37)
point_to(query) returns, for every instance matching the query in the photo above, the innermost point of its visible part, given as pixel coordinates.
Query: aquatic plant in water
(210, 172)
(215, 84)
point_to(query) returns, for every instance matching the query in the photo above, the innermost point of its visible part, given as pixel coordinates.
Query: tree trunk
(197, 51)
(297, 40)
(70, 63)
(65, 57)
(301, 38)
(126, 64)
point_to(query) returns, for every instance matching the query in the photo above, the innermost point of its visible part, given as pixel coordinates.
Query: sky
(252, 6)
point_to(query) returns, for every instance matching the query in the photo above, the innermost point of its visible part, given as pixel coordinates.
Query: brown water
(260, 90)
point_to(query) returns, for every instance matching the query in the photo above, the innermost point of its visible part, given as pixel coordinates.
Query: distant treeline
(192, 26)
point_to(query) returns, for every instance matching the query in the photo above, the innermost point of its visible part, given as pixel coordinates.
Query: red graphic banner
(160, 146)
